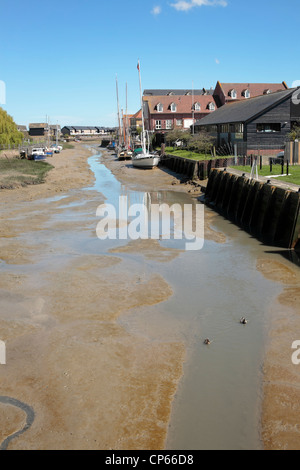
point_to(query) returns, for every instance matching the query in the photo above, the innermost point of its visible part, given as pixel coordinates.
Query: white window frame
(173, 108)
(212, 107)
(197, 107)
(247, 94)
(169, 124)
(158, 125)
(233, 94)
(179, 122)
(159, 108)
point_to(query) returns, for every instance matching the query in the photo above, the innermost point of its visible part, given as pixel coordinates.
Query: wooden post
(287, 168)
(260, 163)
(282, 167)
(271, 165)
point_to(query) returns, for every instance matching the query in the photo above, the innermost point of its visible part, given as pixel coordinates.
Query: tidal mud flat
(100, 336)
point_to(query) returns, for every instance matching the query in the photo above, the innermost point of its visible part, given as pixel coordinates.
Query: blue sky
(60, 58)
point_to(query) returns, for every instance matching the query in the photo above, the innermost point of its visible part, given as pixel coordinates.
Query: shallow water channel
(218, 401)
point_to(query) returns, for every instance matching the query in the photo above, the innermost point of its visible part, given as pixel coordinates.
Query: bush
(294, 134)
(201, 143)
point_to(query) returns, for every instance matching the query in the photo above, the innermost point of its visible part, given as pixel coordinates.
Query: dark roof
(83, 128)
(243, 111)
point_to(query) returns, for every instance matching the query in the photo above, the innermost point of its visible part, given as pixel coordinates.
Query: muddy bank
(70, 171)
(147, 180)
(281, 406)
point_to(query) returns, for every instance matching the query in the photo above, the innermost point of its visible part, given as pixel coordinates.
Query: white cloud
(217, 61)
(184, 5)
(156, 11)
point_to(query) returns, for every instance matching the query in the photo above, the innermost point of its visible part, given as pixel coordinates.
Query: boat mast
(119, 120)
(127, 137)
(193, 107)
(143, 139)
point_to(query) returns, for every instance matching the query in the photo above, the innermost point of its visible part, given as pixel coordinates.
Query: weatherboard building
(261, 123)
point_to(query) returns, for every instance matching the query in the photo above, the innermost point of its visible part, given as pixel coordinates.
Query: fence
(230, 156)
(24, 145)
(291, 150)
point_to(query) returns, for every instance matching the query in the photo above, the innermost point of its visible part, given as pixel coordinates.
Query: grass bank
(187, 154)
(294, 172)
(16, 172)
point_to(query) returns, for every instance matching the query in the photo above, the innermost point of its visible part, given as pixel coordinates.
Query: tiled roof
(137, 115)
(183, 103)
(256, 89)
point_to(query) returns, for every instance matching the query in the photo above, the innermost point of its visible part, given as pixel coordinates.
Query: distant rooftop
(170, 92)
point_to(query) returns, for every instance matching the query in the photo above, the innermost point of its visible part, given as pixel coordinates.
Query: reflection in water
(218, 400)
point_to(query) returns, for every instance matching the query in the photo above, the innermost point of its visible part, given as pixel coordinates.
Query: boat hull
(145, 162)
(38, 158)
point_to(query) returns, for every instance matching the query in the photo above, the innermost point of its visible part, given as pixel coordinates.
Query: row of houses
(44, 129)
(86, 131)
(254, 115)
(180, 109)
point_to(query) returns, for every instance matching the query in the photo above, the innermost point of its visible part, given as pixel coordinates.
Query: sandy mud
(91, 383)
(281, 405)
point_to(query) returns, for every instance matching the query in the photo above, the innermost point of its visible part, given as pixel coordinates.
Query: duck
(207, 342)
(243, 321)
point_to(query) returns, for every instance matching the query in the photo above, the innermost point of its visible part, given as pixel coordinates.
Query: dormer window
(188, 93)
(233, 94)
(212, 106)
(170, 93)
(267, 92)
(159, 108)
(173, 107)
(197, 107)
(246, 94)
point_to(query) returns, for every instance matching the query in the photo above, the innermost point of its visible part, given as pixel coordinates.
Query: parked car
(278, 159)
(178, 143)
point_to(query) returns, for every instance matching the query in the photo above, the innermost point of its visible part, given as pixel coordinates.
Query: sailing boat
(144, 159)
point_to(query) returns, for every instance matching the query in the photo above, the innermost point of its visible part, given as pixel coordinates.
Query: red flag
(138, 66)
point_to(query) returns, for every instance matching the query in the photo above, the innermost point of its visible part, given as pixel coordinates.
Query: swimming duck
(207, 342)
(243, 321)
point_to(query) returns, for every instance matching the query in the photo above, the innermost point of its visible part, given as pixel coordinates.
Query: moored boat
(143, 158)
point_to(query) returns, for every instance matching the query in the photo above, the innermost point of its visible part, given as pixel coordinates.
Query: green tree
(9, 134)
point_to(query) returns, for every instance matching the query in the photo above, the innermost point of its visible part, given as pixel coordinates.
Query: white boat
(144, 159)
